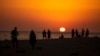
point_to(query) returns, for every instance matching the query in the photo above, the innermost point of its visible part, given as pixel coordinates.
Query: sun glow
(62, 29)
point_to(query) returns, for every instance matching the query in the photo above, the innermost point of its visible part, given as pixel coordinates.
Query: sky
(49, 14)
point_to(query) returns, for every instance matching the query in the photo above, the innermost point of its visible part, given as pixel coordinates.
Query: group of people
(32, 37)
(14, 35)
(76, 34)
(46, 35)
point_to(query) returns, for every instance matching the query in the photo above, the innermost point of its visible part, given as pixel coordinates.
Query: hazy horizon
(24, 35)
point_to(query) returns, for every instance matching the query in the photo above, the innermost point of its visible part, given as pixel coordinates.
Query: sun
(62, 29)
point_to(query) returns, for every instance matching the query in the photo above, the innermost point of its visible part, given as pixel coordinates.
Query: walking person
(82, 34)
(49, 34)
(87, 33)
(32, 39)
(73, 33)
(77, 33)
(44, 34)
(14, 35)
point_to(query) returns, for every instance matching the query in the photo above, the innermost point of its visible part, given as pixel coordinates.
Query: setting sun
(49, 27)
(62, 29)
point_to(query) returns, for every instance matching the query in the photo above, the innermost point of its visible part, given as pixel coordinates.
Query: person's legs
(16, 43)
(13, 42)
(33, 45)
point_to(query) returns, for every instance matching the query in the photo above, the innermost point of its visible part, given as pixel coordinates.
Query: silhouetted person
(44, 34)
(61, 37)
(14, 35)
(77, 33)
(87, 32)
(49, 34)
(73, 33)
(82, 34)
(32, 39)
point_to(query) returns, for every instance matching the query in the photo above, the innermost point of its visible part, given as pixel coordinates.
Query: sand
(53, 47)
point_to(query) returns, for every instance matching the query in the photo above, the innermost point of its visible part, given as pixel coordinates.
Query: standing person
(87, 32)
(14, 35)
(73, 33)
(77, 33)
(49, 34)
(82, 34)
(32, 39)
(44, 34)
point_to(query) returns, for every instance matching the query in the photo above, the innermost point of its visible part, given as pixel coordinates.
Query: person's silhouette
(32, 39)
(82, 34)
(77, 33)
(49, 34)
(14, 35)
(73, 33)
(44, 34)
(87, 32)
(61, 37)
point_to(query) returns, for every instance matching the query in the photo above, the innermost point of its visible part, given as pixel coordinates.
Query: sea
(24, 35)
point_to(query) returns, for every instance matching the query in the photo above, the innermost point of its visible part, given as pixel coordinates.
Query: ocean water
(24, 35)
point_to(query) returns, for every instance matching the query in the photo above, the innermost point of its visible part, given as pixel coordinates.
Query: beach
(53, 47)
(49, 27)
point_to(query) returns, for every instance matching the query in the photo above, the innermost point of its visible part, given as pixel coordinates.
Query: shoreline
(57, 38)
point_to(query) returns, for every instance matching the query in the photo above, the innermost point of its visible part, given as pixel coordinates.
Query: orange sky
(50, 14)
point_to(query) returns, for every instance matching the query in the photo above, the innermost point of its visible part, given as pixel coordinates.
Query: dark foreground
(54, 47)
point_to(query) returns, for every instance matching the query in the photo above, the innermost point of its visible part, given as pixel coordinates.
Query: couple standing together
(46, 35)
